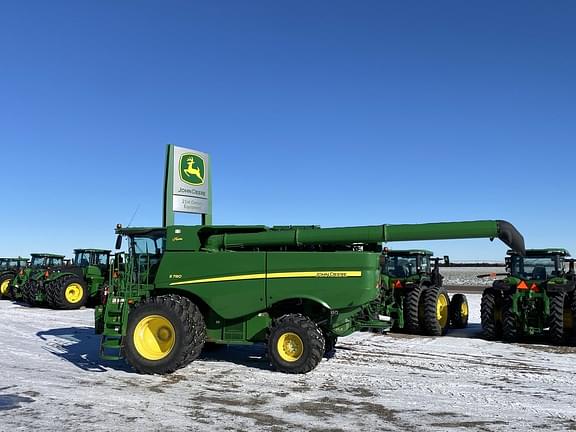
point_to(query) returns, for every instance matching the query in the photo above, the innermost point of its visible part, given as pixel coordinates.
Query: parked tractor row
(294, 288)
(50, 280)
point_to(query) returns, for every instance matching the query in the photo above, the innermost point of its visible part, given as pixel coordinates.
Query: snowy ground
(52, 379)
(467, 276)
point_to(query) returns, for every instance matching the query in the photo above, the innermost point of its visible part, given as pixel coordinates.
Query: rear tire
(164, 333)
(459, 311)
(295, 344)
(68, 292)
(509, 321)
(559, 304)
(412, 310)
(436, 311)
(490, 313)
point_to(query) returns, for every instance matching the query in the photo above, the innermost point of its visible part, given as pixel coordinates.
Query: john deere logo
(192, 169)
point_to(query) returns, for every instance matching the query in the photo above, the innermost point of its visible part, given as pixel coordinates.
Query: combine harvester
(536, 298)
(295, 288)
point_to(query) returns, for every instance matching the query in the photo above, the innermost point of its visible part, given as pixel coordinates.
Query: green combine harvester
(294, 288)
(73, 286)
(9, 268)
(536, 298)
(28, 281)
(413, 295)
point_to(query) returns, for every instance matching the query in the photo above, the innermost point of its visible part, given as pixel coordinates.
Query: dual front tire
(429, 310)
(67, 292)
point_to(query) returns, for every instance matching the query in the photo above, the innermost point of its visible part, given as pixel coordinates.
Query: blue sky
(335, 113)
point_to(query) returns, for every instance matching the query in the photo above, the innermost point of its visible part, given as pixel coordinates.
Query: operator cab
(538, 264)
(145, 249)
(46, 261)
(405, 263)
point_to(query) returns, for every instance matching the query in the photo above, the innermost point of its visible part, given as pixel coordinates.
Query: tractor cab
(539, 265)
(411, 266)
(92, 257)
(43, 261)
(12, 264)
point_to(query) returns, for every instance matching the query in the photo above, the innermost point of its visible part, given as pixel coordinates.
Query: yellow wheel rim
(74, 293)
(4, 287)
(290, 347)
(442, 310)
(464, 310)
(154, 337)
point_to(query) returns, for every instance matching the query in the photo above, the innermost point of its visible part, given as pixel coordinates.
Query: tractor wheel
(295, 344)
(490, 314)
(436, 311)
(51, 288)
(459, 311)
(68, 292)
(164, 333)
(560, 318)
(509, 320)
(28, 290)
(412, 310)
(330, 345)
(5, 280)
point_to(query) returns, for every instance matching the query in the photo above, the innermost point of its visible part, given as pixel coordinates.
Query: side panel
(232, 284)
(340, 280)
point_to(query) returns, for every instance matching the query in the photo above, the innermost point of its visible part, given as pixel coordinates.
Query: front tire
(29, 290)
(412, 310)
(459, 311)
(68, 292)
(164, 333)
(5, 281)
(436, 311)
(295, 344)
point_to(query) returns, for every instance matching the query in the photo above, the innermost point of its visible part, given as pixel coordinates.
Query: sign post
(187, 184)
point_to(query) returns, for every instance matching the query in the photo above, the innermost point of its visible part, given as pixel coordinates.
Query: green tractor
(73, 286)
(297, 289)
(413, 295)
(28, 281)
(9, 268)
(536, 298)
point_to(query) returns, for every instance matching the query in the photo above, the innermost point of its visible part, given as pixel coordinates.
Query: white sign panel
(191, 181)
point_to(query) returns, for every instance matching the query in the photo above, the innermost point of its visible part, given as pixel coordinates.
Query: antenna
(133, 215)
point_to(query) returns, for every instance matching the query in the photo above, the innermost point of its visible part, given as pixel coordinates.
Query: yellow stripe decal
(315, 274)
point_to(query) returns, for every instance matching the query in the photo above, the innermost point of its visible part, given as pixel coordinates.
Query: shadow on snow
(81, 347)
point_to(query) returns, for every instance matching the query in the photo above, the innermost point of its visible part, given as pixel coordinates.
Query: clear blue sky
(335, 113)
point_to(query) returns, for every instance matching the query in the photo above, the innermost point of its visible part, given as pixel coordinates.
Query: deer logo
(192, 169)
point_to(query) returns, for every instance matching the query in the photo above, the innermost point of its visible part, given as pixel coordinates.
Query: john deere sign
(187, 184)
(192, 168)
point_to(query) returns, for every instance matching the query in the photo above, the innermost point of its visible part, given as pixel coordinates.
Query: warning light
(397, 284)
(522, 285)
(534, 288)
